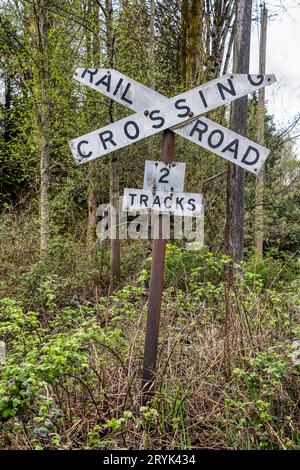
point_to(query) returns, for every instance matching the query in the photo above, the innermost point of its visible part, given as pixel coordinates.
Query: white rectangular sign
(144, 201)
(155, 118)
(164, 176)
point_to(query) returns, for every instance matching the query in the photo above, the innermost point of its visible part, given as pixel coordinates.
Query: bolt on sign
(163, 182)
(156, 113)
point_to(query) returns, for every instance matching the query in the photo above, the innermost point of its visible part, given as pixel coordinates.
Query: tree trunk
(7, 102)
(152, 45)
(228, 53)
(219, 18)
(184, 39)
(234, 230)
(92, 205)
(259, 191)
(114, 166)
(150, 143)
(44, 195)
(234, 233)
(93, 56)
(115, 241)
(191, 41)
(44, 112)
(194, 54)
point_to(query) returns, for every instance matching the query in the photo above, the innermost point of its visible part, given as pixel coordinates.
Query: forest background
(72, 309)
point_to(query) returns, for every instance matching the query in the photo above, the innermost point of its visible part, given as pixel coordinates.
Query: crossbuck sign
(183, 114)
(163, 181)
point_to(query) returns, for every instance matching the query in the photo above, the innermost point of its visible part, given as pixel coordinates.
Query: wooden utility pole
(259, 192)
(234, 233)
(234, 230)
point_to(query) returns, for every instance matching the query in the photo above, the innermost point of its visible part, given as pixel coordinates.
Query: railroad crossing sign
(162, 183)
(156, 113)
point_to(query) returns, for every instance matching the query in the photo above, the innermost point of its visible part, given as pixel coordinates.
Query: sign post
(162, 194)
(156, 284)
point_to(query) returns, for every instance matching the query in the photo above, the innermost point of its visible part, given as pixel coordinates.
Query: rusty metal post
(156, 285)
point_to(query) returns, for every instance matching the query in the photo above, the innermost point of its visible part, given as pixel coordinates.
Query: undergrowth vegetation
(73, 306)
(71, 376)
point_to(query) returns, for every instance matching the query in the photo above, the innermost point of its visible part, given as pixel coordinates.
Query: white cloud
(283, 59)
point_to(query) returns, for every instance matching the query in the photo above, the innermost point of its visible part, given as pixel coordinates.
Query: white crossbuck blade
(157, 113)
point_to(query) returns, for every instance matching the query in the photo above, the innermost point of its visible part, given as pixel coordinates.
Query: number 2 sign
(162, 176)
